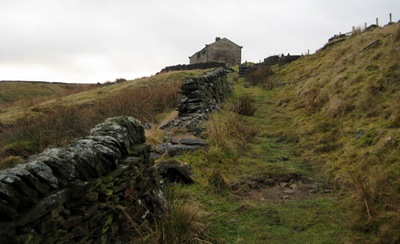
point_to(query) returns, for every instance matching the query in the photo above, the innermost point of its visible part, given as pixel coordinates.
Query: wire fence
(333, 65)
(379, 21)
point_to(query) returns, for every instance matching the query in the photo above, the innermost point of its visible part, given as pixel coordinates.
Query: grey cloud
(98, 40)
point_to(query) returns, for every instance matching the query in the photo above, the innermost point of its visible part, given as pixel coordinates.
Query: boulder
(174, 171)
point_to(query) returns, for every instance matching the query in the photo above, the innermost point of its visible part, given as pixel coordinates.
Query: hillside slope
(17, 95)
(21, 99)
(344, 103)
(11, 91)
(26, 129)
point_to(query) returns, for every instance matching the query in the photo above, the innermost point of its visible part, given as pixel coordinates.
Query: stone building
(222, 50)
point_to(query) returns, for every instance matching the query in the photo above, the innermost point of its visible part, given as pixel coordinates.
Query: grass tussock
(377, 202)
(11, 161)
(229, 131)
(313, 99)
(218, 182)
(154, 136)
(338, 107)
(182, 222)
(245, 105)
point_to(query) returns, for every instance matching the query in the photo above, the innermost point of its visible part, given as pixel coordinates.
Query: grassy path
(263, 193)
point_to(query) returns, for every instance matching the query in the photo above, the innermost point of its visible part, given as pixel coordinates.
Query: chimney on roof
(217, 38)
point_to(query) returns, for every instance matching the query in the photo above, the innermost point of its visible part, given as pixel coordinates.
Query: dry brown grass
(245, 105)
(397, 35)
(313, 99)
(218, 182)
(154, 136)
(357, 31)
(143, 103)
(229, 131)
(64, 122)
(377, 201)
(259, 75)
(357, 91)
(338, 107)
(182, 222)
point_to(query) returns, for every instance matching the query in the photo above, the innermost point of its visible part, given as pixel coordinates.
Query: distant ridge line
(39, 81)
(43, 82)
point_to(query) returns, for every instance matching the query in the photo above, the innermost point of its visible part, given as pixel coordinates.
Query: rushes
(182, 222)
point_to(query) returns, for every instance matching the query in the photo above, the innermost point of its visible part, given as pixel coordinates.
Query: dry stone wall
(82, 192)
(200, 95)
(207, 65)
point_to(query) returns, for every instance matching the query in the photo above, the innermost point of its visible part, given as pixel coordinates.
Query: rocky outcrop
(174, 171)
(82, 192)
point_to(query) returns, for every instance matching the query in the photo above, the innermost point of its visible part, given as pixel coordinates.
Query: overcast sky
(90, 41)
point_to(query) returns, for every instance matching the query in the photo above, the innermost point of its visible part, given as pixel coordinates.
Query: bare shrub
(245, 106)
(143, 103)
(56, 127)
(259, 75)
(120, 80)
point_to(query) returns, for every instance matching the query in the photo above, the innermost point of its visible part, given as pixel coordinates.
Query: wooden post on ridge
(390, 18)
(377, 23)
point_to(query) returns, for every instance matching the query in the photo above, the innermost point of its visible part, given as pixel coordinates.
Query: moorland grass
(346, 122)
(58, 122)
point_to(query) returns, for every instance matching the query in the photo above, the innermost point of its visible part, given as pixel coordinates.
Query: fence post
(377, 24)
(365, 25)
(390, 18)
